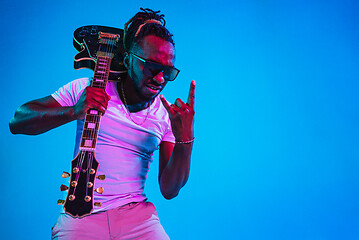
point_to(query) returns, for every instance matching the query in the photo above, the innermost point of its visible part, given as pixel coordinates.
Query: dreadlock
(145, 23)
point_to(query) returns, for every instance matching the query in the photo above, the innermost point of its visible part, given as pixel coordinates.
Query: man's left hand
(181, 115)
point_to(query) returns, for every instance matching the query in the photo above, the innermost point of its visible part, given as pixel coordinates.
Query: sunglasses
(151, 69)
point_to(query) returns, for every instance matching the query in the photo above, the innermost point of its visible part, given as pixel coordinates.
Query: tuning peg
(99, 190)
(73, 183)
(101, 177)
(87, 198)
(97, 204)
(63, 187)
(65, 174)
(60, 202)
(72, 197)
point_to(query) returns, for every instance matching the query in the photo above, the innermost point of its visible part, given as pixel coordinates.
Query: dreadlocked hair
(145, 23)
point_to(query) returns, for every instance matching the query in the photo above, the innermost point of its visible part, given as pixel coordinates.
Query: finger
(175, 109)
(98, 103)
(99, 96)
(190, 100)
(179, 103)
(166, 105)
(97, 106)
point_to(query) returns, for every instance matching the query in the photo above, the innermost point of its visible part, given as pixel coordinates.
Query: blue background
(276, 151)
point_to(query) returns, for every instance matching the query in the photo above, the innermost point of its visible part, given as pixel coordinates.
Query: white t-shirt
(124, 149)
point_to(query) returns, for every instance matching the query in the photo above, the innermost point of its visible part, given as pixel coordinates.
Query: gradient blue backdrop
(276, 152)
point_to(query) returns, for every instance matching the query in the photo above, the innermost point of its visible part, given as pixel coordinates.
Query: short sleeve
(69, 94)
(169, 137)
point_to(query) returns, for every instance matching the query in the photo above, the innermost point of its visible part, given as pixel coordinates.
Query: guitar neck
(93, 116)
(102, 70)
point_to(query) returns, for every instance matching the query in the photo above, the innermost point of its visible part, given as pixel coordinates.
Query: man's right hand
(91, 98)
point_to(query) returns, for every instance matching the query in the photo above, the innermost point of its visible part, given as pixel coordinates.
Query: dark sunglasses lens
(152, 69)
(170, 74)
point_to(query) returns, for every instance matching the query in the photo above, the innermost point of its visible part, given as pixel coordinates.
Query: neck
(137, 107)
(133, 103)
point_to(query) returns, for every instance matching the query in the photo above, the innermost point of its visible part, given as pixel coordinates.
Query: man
(136, 122)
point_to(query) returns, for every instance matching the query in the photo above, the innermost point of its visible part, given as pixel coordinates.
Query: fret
(98, 85)
(92, 119)
(104, 54)
(108, 42)
(89, 134)
(99, 76)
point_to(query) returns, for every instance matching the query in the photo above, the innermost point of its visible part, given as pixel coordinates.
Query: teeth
(153, 88)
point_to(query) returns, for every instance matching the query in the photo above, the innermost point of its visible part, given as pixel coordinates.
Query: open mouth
(153, 88)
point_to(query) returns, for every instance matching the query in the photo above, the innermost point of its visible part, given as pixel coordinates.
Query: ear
(126, 60)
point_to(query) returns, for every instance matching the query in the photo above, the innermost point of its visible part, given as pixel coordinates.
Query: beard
(139, 87)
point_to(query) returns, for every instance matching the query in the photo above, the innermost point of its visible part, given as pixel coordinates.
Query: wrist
(185, 141)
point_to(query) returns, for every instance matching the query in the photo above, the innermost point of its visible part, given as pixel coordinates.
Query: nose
(159, 79)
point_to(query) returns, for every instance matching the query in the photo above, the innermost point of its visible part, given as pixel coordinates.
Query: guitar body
(83, 171)
(85, 40)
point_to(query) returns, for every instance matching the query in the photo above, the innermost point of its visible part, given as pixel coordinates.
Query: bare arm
(175, 158)
(41, 115)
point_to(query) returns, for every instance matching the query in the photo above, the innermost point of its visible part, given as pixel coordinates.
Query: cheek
(136, 75)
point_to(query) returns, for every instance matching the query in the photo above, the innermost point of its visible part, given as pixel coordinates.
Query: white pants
(131, 221)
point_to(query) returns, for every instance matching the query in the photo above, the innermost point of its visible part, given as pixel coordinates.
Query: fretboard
(93, 117)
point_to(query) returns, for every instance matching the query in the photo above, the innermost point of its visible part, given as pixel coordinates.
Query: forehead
(156, 49)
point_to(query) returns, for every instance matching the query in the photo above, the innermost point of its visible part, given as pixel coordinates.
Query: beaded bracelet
(190, 141)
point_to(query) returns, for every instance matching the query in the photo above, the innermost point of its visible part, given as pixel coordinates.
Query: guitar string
(104, 75)
(82, 154)
(79, 166)
(95, 117)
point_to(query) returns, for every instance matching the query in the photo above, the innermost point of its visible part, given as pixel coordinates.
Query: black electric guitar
(100, 49)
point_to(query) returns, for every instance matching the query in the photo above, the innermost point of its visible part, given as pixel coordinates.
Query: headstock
(79, 200)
